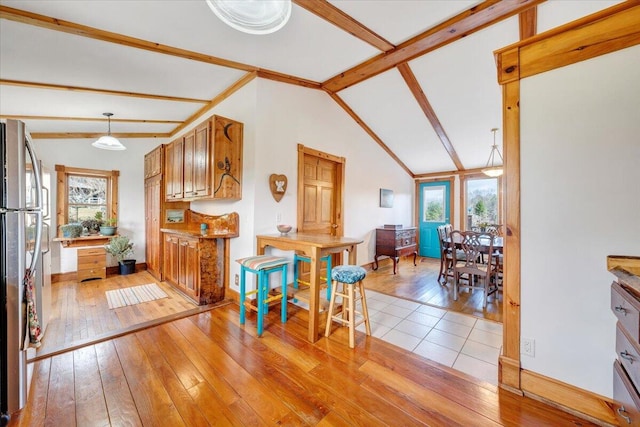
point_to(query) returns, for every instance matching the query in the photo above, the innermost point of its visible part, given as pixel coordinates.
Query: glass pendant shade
(492, 169)
(108, 142)
(252, 16)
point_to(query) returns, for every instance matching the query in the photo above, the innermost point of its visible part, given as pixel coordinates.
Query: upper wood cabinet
(207, 162)
(174, 164)
(153, 162)
(227, 158)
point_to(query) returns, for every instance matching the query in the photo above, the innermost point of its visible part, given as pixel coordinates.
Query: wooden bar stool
(262, 266)
(296, 272)
(349, 276)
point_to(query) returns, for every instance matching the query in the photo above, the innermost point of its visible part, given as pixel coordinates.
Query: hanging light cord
(494, 150)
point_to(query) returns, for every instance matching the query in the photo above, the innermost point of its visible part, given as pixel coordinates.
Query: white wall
(580, 171)
(283, 116)
(130, 163)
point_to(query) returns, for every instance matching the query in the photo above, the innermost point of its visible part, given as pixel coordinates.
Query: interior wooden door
(320, 189)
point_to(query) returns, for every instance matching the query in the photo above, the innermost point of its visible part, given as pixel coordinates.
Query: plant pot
(107, 230)
(127, 266)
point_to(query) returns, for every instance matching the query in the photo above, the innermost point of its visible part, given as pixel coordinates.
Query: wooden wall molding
(574, 400)
(606, 31)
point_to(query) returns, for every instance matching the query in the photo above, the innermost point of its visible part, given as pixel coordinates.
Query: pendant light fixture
(252, 16)
(108, 142)
(492, 169)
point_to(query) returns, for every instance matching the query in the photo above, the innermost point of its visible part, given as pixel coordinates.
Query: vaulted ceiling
(417, 75)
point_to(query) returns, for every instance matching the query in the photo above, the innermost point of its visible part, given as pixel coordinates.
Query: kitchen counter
(209, 234)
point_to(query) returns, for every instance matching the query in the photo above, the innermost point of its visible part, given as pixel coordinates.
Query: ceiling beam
(430, 175)
(98, 91)
(284, 78)
(239, 84)
(87, 119)
(93, 135)
(369, 131)
(417, 92)
(337, 17)
(468, 22)
(47, 22)
(528, 21)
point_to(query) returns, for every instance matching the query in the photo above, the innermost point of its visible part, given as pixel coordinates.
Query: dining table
(315, 246)
(498, 243)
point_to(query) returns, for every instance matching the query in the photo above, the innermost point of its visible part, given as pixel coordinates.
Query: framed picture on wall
(386, 198)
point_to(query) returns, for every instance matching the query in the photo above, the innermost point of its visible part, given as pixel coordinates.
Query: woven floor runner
(134, 295)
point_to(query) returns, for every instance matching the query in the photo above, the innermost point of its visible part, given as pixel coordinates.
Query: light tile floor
(462, 342)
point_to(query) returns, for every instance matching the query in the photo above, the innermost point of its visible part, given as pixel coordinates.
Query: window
(482, 202)
(82, 193)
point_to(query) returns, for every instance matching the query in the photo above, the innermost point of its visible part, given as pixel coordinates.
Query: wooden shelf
(74, 242)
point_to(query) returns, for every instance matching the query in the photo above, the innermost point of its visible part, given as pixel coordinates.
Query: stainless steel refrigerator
(21, 219)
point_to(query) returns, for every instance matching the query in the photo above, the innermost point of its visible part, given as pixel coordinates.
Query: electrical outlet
(528, 347)
(237, 280)
(279, 218)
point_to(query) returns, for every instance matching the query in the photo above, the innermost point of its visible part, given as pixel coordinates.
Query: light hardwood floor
(420, 283)
(80, 311)
(209, 370)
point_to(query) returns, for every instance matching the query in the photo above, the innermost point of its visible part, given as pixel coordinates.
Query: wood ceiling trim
(248, 77)
(535, 55)
(420, 176)
(462, 25)
(417, 92)
(528, 21)
(369, 131)
(87, 119)
(47, 22)
(337, 17)
(50, 86)
(92, 135)
(284, 78)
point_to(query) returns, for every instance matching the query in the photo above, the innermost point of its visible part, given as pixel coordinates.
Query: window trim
(62, 191)
(463, 197)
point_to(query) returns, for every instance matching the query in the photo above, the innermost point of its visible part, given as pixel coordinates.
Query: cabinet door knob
(627, 356)
(624, 414)
(621, 309)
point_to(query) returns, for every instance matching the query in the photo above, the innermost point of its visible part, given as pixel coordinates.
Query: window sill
(74, 242)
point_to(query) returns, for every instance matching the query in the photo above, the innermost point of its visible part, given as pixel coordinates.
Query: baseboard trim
(571, 399)
(73, 275)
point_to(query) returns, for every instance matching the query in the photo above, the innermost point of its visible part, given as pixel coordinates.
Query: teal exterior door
(434, 211)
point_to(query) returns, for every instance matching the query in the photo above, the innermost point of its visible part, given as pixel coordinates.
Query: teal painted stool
(304, 258)
(349, 276)
(262, 266)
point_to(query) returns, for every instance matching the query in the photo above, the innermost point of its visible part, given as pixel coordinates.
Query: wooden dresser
(92, 263)
(625, 303)
(395, 242)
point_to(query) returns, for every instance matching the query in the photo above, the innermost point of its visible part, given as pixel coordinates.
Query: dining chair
(446, 259)
(473, 245)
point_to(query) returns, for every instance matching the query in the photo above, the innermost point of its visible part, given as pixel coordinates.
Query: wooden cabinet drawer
(92, 263)
(627, 309)
(628, 355)
(91, 252)
(627, 402)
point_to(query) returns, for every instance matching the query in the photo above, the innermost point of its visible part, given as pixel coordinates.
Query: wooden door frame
(603, 32)
(338, 192)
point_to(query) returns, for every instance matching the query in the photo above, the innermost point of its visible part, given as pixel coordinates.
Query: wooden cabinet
(625, 304)
(227, 158)
(173, 165)
(206, 163)
(92, 263)
(153, 162)
(153, 238)
(394, 243)
(197, 180)
(195, 266)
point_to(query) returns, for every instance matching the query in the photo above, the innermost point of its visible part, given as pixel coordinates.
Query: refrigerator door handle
(35, 164)
(45, 199)
(48, 235)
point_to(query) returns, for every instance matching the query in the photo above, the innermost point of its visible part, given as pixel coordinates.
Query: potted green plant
(93, 224)
(120, 247)
(71, 230)
(109, 227)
